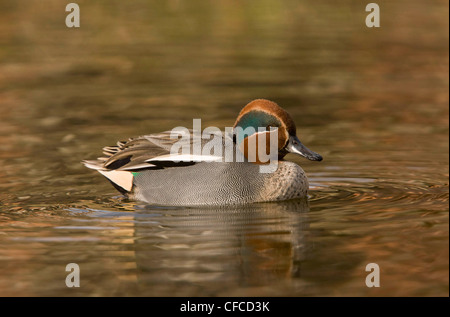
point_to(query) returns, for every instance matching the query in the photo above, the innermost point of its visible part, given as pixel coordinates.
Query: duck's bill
(295, 146)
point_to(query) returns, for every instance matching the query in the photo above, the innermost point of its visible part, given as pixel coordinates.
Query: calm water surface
(373, 102)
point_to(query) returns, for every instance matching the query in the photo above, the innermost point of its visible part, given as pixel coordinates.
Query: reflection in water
(373, 102)
(222, 250)
(161, 251)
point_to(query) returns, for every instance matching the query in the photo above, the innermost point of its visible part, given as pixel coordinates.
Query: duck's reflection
(251, 246)
(267, 249)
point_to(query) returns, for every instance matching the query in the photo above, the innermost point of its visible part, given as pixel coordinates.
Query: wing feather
(148, 151)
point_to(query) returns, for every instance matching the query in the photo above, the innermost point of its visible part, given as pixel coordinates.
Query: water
(373, 102)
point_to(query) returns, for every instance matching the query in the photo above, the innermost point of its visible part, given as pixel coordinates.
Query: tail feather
(93, 164)
(122, 179)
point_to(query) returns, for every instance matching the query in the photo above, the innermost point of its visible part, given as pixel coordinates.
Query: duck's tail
(121, 180)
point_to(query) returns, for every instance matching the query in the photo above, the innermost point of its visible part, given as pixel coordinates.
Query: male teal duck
(148, 169)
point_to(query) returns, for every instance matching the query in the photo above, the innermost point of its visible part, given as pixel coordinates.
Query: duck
(165, 169)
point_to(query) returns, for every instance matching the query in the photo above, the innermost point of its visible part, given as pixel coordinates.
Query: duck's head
(261, 113)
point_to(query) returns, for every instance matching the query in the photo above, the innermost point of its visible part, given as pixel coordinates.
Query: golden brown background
(373, 102)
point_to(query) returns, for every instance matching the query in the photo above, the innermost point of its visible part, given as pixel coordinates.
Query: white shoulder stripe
(135, 167)
(186, 158)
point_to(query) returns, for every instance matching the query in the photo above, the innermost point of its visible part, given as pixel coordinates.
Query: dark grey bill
(295, 146)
